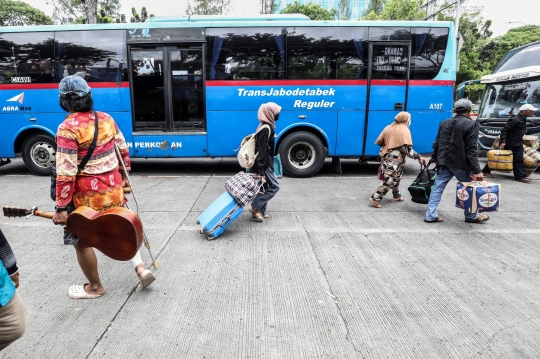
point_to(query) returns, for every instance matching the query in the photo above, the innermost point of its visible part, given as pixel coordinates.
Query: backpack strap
(92, 145)
(264, 126)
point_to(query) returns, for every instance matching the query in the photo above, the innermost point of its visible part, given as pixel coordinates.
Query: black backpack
(421, 187)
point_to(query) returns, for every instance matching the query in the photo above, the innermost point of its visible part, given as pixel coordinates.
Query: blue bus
(190, 86)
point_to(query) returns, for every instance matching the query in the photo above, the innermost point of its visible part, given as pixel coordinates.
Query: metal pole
(458, 13)
(457, 18)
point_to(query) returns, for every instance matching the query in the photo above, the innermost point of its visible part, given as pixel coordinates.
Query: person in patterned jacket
(99, 185)
(396, 145)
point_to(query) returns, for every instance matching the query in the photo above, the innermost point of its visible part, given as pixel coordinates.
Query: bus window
(187, 88)
(27, 58)
(389, 34)
(427, 52)
(148, 88)
(96, 55)
(389, 62)
(245, 54)
(327, 53)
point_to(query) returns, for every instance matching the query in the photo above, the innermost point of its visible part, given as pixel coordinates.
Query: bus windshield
(504, 100)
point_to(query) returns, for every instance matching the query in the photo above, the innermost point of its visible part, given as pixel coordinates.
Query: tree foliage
(496, 48)
(208, 7)
(140, 18)
(68, 11)
(398, 10)
(18, 13)
(109, 11)
(85, 12)
(344, 10)
(375, 6)
(313, 11)
(268, 6)
(475, 33)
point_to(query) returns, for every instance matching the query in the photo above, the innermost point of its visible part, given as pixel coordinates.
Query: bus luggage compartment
(491, 128)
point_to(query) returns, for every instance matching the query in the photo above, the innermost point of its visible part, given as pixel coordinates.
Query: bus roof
(199, 21)
(512, 75)
(512, 52)
(199, 18)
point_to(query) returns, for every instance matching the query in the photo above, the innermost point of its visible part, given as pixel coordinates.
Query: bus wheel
(302, 154)
(38, 153)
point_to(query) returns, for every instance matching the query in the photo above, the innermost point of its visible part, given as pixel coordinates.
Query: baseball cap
(463, 104)
(528, 107)
(73, 87)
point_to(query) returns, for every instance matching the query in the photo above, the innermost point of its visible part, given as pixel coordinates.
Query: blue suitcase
(219, 215)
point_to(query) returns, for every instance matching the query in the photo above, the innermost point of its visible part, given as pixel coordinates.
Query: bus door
(388, 83)
(168, 100)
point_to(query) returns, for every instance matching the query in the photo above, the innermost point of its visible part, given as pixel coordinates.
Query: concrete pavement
(327, 276)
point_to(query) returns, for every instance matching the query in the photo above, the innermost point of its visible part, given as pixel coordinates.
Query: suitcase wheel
(198, 222)
(201, 231)
(209, 238)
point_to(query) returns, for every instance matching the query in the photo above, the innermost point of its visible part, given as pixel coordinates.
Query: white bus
(514, 82)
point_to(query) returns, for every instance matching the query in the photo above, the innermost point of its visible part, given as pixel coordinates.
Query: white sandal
(146, 278)
(78, 292)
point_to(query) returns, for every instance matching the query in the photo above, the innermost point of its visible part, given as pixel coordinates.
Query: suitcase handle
(225, 221)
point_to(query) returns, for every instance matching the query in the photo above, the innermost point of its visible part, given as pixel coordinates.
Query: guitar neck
(48, 215)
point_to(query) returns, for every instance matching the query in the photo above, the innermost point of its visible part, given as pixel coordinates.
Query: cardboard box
(478, 196)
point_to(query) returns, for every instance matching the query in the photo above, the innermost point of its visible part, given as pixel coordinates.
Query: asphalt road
(326, 276)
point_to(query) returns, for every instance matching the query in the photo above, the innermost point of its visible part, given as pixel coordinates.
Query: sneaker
(257, 216)
(524, 180)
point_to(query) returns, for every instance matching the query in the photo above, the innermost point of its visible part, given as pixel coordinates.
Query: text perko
(160, 145)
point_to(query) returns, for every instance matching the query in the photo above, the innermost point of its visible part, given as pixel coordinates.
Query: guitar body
(117, 232)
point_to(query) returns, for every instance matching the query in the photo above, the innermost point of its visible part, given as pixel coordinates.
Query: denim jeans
(444, 176)
(271, 187)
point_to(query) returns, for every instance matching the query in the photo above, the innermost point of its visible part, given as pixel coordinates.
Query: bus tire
(302, 154)
(39, 153)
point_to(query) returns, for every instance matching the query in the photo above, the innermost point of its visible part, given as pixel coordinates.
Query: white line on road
(22, 223)
(228, 176)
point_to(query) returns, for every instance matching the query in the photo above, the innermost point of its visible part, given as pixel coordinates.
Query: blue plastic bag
(278, 168)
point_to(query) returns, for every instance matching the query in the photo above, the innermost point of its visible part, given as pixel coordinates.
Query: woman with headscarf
(396, 142)
(264, 163)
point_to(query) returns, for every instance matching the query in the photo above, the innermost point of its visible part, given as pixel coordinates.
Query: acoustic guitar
(117, 232)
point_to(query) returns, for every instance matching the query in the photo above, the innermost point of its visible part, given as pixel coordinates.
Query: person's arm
(262, 145)
(66, 165)
(436, 145)
(409, 151)
(120, 141)
(504, 132)
(471, 148)
(380, 140)
(8, 259)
